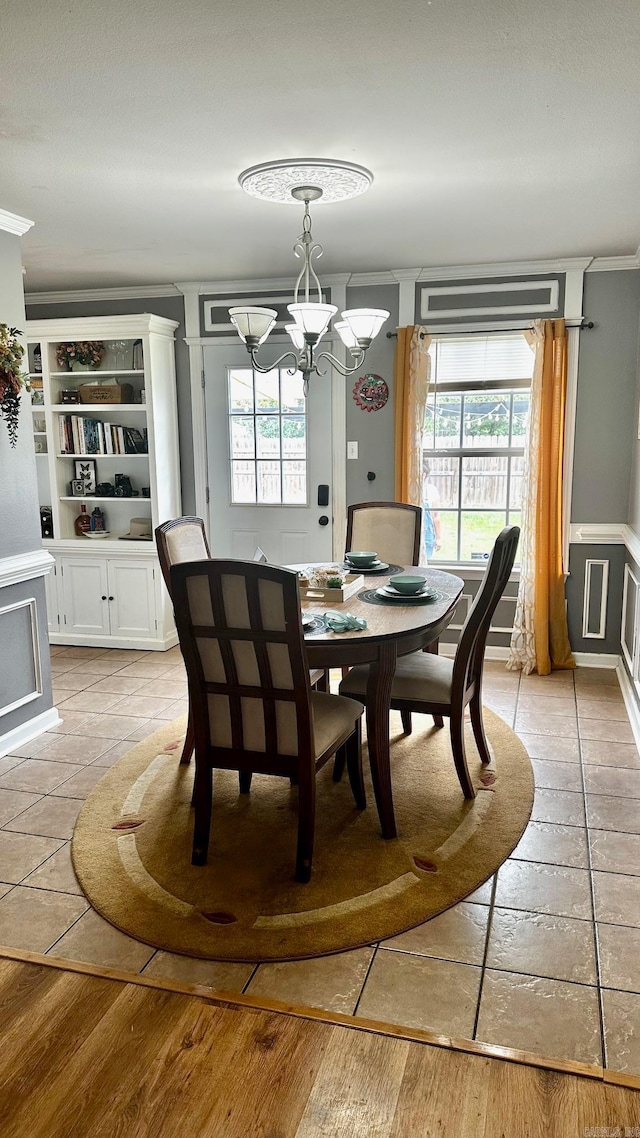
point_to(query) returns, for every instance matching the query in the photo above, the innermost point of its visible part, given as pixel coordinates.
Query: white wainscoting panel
(35, 691)
(600, 632)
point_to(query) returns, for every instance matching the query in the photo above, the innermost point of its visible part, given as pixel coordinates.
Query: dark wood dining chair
(392, 529)
(438, 686)
(253, 709)
(185, 539)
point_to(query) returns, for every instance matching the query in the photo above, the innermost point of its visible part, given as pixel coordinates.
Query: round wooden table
(392, 630)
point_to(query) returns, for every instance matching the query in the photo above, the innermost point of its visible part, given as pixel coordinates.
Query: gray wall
(606, 412)
(373, 430)
(171, 307)
(579, 554)
(19, 526)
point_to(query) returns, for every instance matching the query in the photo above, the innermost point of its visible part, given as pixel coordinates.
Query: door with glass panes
(269, 460)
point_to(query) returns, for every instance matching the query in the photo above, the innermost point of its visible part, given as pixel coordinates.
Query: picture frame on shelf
(85, 470)
(77, 487)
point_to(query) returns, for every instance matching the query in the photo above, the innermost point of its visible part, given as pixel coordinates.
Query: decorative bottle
(37, 359)
(83, 522)
(97, 521)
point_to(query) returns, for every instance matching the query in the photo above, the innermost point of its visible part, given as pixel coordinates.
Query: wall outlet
(352, 450)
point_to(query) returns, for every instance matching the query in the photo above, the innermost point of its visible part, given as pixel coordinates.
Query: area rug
(132, 848)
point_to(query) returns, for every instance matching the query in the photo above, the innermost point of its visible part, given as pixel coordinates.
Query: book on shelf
(81, 435)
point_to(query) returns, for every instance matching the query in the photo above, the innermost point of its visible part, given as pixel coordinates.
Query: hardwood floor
(84, 1056)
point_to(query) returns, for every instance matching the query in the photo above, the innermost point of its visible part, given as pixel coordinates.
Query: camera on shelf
(124, 489)
(105, 490)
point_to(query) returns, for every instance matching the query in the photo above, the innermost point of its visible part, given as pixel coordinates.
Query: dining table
(393, 629)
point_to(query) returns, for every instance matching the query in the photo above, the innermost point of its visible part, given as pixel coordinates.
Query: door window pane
(243, 481)
(267, 436)
(292, 394)
(294, 441)
(268, 478)
(240, 390)
(294, 482)
(242, 437)
(264, 432)
(267, 392)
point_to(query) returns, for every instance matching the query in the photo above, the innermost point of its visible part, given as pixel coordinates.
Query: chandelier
(307, 180)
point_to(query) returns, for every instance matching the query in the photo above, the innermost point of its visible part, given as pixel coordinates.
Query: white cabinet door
(132, 598)
(53, 605)
(85, 595)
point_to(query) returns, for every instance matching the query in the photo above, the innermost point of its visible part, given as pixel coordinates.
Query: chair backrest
(392, 529)
(240, 630)
(182, 539)
(467, 667)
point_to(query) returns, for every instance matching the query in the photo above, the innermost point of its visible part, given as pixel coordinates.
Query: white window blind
(479, 359)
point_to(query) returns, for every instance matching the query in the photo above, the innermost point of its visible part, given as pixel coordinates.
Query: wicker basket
(105, 393)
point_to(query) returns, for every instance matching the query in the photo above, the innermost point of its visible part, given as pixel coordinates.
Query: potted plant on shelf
(81, 355)
(12, 379)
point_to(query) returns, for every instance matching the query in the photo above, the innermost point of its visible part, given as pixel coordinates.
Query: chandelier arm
(276, 363)
(338, 365)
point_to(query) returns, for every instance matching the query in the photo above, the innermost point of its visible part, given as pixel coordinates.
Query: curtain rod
(475, 331)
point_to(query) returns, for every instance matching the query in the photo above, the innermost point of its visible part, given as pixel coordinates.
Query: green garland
(12, 379)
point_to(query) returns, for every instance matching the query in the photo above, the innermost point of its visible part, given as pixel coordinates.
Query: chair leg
(406, 722)
(323, 684)
(459, 755)
(339, 762)
(438, 721)
(353, 748)
(189, 742)
(475, 707)
(306, 826)
(244, 778)
(202, 821)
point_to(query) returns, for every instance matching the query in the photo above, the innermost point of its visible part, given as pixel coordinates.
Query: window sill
(468, 569)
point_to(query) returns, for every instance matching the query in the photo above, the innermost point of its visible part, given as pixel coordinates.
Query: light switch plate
(352, 450)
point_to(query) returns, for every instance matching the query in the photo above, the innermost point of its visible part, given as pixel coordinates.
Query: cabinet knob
(111, 598)
(104, 596)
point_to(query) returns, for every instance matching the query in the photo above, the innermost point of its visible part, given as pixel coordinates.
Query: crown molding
(127, 326)
(214, 288)
(70, 296)
(358, 279)
(13, 223)
(505, 269)
(615, 264)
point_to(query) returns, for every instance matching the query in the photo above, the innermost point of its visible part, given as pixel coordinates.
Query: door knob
(323, 520)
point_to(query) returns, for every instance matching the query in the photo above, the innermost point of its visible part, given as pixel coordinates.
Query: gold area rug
(132, 848)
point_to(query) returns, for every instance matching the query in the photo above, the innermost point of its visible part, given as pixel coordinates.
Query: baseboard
(29, 730)
(71, 639)
(607, 660)
(630, 702)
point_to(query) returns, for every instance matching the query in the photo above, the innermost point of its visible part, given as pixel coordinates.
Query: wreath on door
(12, 379)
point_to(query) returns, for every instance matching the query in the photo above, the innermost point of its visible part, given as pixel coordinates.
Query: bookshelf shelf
(101, 456)
(109, 408)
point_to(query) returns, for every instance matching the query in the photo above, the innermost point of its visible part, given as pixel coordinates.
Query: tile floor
(545, 956)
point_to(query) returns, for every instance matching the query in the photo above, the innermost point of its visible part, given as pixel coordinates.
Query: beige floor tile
(546, 747)
(602, 709)
(147, 706)
(94, 941)
(565, 807)
(621, 1014)
(617, 898)
(8, 763)
(34, 747)
(115, 726)
(75, 723)
(88, 700)
(22, 853)
(503, 701)
(610, 812)
(621, 783)
(146, 669)
(602, 677)
(330, 982)
(557, 890)
(79, 652)
(615, 853)
(34, 919)
(549, 1017)
(38, 776)
(619, 951)
(50, 817)
(15, 802)
(601, 693)
(59, 666)
(457, 934)
(550, 775)
(127, 655)
(544, 704)
(553, 845)
(56, 872)
(102, 666)
(607, 730)
(4, 889)
(418, 991)
(220, 975)
(174, 689)
(175, 710)
(111, 756)
(482, 895)
(75, 681)
(81, 784)
(607, 754)
(558, 726)
(557, 684)
(118, 685)
(542, 945)
(75, 749)
(499, 681)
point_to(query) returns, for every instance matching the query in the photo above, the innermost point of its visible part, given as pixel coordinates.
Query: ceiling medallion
(277, 181)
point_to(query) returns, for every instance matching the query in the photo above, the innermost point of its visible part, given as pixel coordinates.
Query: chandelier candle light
(307, 180)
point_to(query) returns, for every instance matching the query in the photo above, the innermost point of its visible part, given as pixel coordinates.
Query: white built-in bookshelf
(108, 590)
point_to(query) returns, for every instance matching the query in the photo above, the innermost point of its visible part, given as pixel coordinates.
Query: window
(267, 437)
(473, 444)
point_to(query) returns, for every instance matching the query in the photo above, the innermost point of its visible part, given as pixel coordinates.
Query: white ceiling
(497, 130)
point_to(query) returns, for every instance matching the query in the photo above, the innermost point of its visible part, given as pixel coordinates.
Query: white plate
(102, 533)
(392, 594)
(375, 565)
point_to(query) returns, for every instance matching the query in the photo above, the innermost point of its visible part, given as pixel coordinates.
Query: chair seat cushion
(334, 716)
(421, 677)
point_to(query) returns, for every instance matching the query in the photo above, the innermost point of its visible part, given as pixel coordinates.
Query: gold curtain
(540, 638)
(410, 387)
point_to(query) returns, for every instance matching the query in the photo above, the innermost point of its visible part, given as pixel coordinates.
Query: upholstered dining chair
(435, 685)
(392, 529)
(253, 709)
(184, 539)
